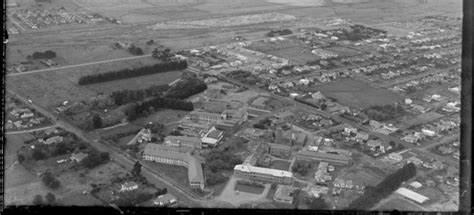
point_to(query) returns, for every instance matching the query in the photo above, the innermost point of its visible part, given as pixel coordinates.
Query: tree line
(391, 183)
(42, 55)
(129, 73)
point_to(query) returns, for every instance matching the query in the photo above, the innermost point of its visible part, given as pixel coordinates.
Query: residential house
(78, 157)
(128, 186)
(54, 139)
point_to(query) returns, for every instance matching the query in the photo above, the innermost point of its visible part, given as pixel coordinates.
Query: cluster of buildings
(433, 129)
(450, 149)
(383, 128)
(424, 82)
(42, 18)
(20, 117)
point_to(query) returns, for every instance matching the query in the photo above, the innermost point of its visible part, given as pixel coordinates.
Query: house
(284, 194)
(362, 136)
(128, 186)
(54, 139)
(414, 160)
(78, 157)
(428, 132)
(27, 114)
(165, 200)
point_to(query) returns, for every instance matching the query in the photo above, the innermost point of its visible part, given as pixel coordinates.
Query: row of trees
(129, 73)
(216, 162)
(142, 109)
(186, 88)
(121, 97)
(385, 112)
(391, 183)
(42, 55)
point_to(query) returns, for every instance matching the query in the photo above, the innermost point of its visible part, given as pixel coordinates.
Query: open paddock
(357, 94)
(48, 89)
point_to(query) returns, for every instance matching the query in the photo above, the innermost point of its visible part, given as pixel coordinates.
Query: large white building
(179, 157)
(412, 195)
(263, 174)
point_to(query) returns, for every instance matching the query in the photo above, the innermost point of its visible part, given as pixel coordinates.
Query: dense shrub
(43, 55)
(129, 73)
(50, 181)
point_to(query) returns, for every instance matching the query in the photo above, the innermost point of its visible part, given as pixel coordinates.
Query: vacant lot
(357, 94)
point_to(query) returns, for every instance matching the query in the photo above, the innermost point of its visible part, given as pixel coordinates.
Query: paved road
(119, 157)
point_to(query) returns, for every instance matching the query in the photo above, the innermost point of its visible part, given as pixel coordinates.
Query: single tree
(50, 198)
(38, 200)
(136, 169)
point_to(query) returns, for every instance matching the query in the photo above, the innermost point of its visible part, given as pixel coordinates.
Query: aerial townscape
(268, 104)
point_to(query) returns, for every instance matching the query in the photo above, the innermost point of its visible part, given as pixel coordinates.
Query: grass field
(422, 119)
(162, 116)
(357, 94)
(249, 189)
(280, 165)
(178, 173)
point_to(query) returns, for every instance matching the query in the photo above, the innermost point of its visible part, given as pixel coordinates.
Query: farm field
(357, 94)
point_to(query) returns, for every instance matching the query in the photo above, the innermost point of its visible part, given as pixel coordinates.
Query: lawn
(178, 173)
(249, 189)
(280, 165)
(287, 49)
(357, 94)
(162, 116)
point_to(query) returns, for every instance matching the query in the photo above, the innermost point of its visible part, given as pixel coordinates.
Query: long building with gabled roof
(179, 157)
(263, 174)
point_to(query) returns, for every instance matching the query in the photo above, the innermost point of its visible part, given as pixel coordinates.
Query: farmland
(357, 94)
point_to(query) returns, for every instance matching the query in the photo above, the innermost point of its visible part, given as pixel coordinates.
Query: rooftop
(274, 172)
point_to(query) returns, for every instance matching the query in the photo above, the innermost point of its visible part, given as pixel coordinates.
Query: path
(31, 130)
